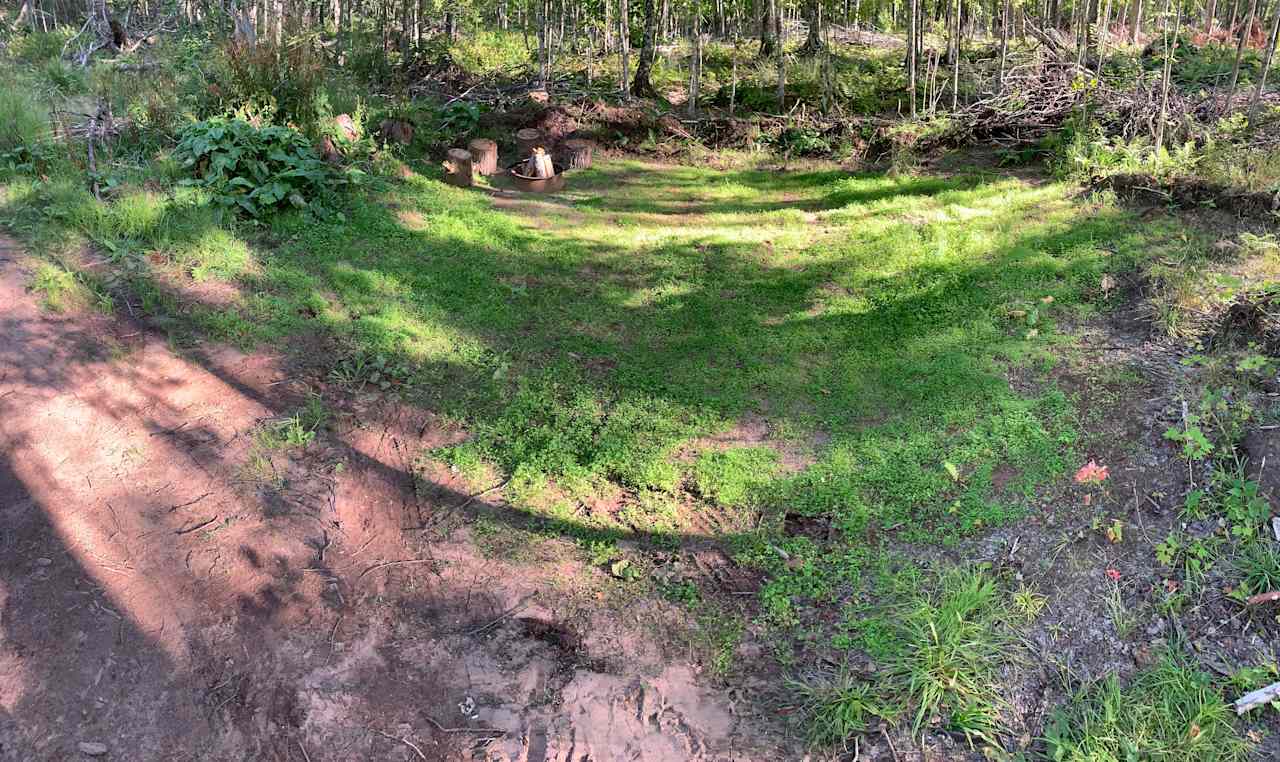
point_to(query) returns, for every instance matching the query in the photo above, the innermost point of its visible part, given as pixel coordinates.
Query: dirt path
(170, 590)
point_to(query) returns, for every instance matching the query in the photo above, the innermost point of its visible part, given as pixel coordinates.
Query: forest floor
(679, 464)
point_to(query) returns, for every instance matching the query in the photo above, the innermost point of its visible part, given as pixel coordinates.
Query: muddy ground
(170, 590)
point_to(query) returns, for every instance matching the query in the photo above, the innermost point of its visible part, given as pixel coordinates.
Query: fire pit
(526, 184)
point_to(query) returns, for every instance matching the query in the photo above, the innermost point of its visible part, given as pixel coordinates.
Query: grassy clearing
(813, 367)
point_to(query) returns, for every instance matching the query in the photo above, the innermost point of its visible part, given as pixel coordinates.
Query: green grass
(1172, 712)
(865, 318)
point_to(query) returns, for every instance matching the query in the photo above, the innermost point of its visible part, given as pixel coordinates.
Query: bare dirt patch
(167, 591)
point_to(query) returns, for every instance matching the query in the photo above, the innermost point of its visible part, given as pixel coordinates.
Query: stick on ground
(1257, 698)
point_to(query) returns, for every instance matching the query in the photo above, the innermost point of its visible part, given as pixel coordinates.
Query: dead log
(528, 139)
(575, 153)
(484, 156)
(457, 168)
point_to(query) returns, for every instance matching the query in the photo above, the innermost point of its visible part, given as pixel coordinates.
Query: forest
(535, 380)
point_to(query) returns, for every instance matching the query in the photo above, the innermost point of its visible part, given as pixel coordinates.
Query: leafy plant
(255, 169)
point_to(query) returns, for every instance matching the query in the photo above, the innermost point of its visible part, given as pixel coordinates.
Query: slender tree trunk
(782, 60)
(1235, 69)
(695, 63)
(1004, 43)
(1170, 49)
(955, 61)
(1266, 65)
(1135, 22)
(1210, 16)
(911, 56)
(624, 46)
(1104, 32)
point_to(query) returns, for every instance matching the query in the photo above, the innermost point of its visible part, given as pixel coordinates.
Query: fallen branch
(519, 605)
(1254, 600)
(1257, 698)
(387, 564)
(201, 525)
(486, 731)
(404, 741)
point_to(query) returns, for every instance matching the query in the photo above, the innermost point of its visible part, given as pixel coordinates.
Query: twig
(386, 564)
(443, 729)
(519, 605)
(481, 493)
(303, 749)
(885, 732)
(404, 741)
(173, 508)
(201, 525)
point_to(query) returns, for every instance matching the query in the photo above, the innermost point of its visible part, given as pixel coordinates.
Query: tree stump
(575, 153)
(539, 165)
(457, 168)
(528, 139)
(484, 156)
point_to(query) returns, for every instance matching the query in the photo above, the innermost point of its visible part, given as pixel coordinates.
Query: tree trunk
(1169, 51)
(782, 61)
(911, 56)
(768, 30)
(1235, 69)
(813, 15)
(955, 62)
(641, 85)
(1135, 22)
(1004, 44)
(1266, 65)
(695, 63)
(624, 47)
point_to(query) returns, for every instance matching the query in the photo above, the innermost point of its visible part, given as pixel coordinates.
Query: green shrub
(37, 47)
(485, 53)
(255, 169)
(280, 83)
(25, 121)
(65, 78)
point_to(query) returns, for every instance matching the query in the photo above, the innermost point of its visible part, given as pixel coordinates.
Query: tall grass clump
(25, 122)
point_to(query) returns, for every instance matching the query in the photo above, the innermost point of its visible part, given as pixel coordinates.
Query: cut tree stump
(528, 139)
(457, 168)
(575, 153)
(484, 156)
(539, 165)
